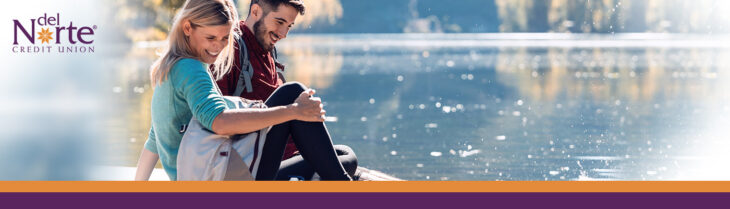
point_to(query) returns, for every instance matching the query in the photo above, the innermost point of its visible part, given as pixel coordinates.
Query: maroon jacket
(264, 80)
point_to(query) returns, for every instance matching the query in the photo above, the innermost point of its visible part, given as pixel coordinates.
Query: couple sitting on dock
(284, 137)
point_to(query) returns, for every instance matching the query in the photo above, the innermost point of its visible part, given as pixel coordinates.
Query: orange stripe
(405, 186)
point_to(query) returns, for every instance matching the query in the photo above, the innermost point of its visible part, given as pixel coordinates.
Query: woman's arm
(146, 164)
(237, 121)
(190, 78)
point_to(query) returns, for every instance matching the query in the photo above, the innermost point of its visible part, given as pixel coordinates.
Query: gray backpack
(244, 79)
(206, 156)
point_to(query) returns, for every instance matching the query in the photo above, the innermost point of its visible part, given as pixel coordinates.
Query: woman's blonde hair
(198, 13)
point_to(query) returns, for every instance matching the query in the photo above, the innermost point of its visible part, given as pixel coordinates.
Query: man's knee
(293, 87)
(343, 149)
(285, 94)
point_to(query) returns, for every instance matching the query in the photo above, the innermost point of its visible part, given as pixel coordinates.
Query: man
(267, 23)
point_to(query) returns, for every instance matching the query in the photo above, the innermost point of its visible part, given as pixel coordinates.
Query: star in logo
(45, 35)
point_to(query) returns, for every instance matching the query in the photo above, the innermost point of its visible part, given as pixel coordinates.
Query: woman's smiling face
(207, 41)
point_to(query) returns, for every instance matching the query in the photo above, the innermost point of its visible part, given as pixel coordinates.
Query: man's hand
(308, 108)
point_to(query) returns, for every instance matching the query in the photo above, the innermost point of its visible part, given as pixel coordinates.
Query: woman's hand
(308, 108)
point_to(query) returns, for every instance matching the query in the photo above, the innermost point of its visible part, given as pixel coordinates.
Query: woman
(202, 34)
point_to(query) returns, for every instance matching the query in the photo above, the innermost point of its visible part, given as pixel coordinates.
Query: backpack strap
(279, 67)
(244, 79)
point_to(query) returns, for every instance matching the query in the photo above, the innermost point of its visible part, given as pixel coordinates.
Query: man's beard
(260, 34)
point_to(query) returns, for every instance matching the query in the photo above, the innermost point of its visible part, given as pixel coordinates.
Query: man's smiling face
(274, 26)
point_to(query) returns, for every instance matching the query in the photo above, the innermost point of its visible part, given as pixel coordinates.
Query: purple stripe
(366, 200)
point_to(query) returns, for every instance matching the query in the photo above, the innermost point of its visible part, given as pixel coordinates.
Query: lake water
(498, 106)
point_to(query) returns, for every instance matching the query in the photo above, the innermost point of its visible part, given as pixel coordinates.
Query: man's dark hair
(273, 5)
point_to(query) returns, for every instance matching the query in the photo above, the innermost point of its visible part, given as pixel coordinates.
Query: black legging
(296, 166)
(311, 138)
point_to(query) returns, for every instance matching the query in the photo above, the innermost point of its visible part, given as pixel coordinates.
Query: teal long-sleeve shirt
(188, 91)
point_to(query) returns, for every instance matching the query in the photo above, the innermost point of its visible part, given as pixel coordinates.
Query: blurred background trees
(150, 19)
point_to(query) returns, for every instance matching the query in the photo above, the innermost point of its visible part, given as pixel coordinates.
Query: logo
(47, 34)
